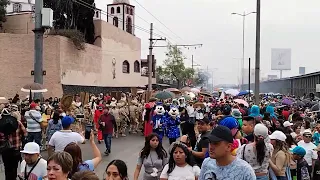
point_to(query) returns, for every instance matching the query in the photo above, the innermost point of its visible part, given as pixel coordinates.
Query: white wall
(26, 6)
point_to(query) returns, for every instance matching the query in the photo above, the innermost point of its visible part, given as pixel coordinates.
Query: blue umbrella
(242, 93)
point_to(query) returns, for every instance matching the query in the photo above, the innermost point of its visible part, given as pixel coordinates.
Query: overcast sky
(291, 24)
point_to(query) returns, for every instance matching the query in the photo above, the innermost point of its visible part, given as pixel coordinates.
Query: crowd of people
(210, 138)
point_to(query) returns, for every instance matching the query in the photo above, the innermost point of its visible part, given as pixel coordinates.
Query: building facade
(20, 6)
(112, 63)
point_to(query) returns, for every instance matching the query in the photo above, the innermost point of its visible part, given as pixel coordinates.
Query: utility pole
(150, 60)
(249, 83)
(192, 63)
(38, 46)
(257, 66)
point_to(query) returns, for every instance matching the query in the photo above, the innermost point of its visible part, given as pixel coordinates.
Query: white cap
(31, 148)
(287, 124)
(260, 130)
(278, 135)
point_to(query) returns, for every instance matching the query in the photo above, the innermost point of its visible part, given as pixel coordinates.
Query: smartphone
(88, 131)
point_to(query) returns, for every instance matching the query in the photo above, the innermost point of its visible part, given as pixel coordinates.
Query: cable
(158, 20)
(107, 14)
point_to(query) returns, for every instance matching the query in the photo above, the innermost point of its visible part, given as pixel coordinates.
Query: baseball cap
(205, 120)
(221, 133)
(298, 150)
(31, 148)
(287, 124)
(278, 135)
(229, 122)
(67, 121)
(33, 105)
(260, 130)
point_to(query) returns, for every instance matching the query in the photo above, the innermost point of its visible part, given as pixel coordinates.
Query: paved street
(124, 148)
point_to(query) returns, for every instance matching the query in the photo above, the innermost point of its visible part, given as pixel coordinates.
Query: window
(115, 21)
(112, 10)
(125, 67)
(97, 14)
(136, 66)
(129, 25)
(128, 10)
(17, 7)
(118, 10)
(131, 11)
(33, 8)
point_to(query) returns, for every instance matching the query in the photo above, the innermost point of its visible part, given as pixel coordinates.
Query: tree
(73, 14)
(174, 68)
(201, 78)
(3, 10)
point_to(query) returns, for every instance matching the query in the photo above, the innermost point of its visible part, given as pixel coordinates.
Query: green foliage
(174, 67)
(74, 35)
(3, 12)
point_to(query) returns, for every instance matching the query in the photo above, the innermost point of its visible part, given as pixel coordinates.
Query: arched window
(128, 10)
(131, 11)
(125, 67)
(97, 14)
(116, 21)
(112, 10)
(136, 66)
(118, 10)
(129, 25)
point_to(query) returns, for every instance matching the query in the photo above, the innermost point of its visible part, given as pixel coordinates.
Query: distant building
(20, 6)
(246, 76)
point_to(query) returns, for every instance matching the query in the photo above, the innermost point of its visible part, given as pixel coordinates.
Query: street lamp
(243, 45)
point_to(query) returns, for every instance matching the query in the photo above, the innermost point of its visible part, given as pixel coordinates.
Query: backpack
(8, 124)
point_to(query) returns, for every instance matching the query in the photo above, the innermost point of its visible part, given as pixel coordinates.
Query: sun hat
(278, 135)
(236, 113)
(31, 148)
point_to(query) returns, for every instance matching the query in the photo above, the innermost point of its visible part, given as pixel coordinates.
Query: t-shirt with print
(203, 142)
(250, 156)
(186, 173)
(38, 173)
(238, 169)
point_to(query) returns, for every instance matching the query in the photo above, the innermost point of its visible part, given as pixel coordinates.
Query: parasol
(173, 90)
(207, 94)
(195, 90)
(163, 95)
(33, 88)
(242, 93)
(287, 101)
(188, 89)
(197, 104)
(241, 101)
(232, 92)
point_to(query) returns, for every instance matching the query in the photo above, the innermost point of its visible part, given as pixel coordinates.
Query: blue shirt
(316, 138)
(237, 170)
(86, 166)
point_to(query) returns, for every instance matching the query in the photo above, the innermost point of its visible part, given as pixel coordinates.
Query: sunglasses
(307, 136)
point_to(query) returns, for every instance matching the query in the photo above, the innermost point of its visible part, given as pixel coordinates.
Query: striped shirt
(32, 125)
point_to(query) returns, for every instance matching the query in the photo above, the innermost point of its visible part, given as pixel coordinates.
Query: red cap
(33, 105)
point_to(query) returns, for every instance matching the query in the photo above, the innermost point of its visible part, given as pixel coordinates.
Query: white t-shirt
(310, 153)
(39, 172)
(60, 139)
(186, 173)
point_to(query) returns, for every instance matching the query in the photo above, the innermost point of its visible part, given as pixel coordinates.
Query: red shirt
(286, 114)
(110, 122)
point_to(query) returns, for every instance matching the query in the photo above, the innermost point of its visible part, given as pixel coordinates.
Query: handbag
(42, 125)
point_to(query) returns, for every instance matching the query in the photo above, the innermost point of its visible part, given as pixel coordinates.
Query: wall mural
(114, 68)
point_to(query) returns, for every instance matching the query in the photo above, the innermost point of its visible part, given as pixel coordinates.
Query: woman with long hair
(258, 153)
(78, 163)
(116, 170)
(181, 164)
(153, 157)
(280, 158)
(54, 125)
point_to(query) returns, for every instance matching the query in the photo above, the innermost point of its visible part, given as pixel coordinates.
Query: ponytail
(260, 148)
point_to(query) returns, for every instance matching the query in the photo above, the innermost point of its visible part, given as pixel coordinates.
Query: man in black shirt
(200, 152)
(302, 166)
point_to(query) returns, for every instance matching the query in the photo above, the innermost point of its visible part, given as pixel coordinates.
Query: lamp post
(243, 41)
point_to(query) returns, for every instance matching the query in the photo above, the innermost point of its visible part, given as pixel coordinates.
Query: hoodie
(255, 111)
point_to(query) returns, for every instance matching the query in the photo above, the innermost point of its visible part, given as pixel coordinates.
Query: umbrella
(186, 89)
(241, 101)
(163, 95)
(187, 98)
(242, 93)
(207, 94)
(174, 90)
(232, 92)
(315, 107)
(287, 101)
(195, 90)
(34, 87)
(299, 103)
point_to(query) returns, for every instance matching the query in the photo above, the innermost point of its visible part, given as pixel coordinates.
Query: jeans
(35, 136)
(107, 140)
(266, 177)
(11, 159)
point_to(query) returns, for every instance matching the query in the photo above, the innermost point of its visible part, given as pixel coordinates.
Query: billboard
(280, 59)
(302, 70)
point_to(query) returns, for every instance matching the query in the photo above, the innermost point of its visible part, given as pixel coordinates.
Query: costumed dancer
(97, 115)
(172, 125)
(159, 120)
(123, 117)
(147, 117)
(133, 108)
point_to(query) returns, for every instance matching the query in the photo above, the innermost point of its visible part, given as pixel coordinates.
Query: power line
(158, 19)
